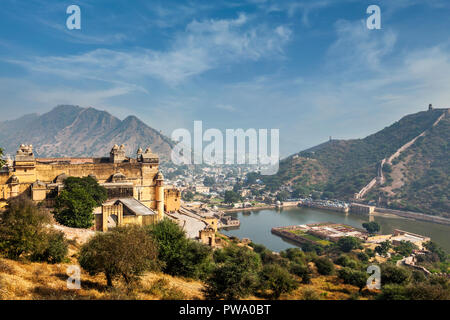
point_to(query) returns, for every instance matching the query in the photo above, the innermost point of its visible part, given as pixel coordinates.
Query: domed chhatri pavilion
(135, 186)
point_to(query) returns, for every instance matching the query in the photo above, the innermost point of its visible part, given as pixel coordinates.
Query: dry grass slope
(41, 281)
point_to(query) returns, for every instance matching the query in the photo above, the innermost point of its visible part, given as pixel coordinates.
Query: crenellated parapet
(25, 155)
(122, 176)
(117, 154)
(147, 157)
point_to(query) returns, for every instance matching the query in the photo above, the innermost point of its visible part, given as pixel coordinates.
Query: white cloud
(201, 47)
(36, 97)
(80, 97)
(360, 47)
(226, 107)
(306, 8)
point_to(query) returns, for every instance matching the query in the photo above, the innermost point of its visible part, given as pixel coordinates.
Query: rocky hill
(74, 131)
(417, 179)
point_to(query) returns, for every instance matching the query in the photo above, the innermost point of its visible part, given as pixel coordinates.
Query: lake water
(257, 224)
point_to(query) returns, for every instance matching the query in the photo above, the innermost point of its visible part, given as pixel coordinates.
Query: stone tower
(159, 195)
(117, 154)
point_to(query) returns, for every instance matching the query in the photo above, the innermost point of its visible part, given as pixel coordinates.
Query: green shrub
(347, 244)
(179, 255)
(293, 254)
(369, 252)
(324, 266)
(393, 292)
(268, 257)
(393, 274)
(353, 277)
(53, 249)
(405, 248)
(235, 274)
(24, 232)
(434, 248)
(363, 257)
(418, 276)
(383, 248)
(301, 270)
(123, 251)
(371, 227)
(346, 261)
(428, 290)
(76, 202)
(276, 279)
(309, 247)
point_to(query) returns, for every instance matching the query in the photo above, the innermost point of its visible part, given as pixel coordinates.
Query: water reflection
(257, 224)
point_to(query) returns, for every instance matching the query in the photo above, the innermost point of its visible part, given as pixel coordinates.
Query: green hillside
(341, 168)
(424, 171)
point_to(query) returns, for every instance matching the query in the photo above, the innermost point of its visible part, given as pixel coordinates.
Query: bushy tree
(315, 195)
(268, 257)
(53, 248)
(258, 248)
(393, 274)
(188, 196)
(180, 256)
(209, 181)
(383, 248)
(75, 204)
(293, 254)
(327, 195)
(282, 196)
(324, 266)
(393, 292)
(235, 274)
(346, 261)
(251, 178)
(301, 270)
(425, 290)
(353, 277)
(370, 253)
(371, 227)
(122, 252)
(363, 257)
(418, 276)
(231, 197)
(309, 247)
(22, 228)
(435, 248)
(25, 232)
(276, 279)
(347, 244)
(405, 248)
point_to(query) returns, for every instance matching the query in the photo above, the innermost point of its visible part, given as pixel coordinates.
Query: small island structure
(326, 233)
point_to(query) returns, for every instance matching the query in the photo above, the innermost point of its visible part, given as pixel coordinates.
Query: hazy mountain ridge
(72, 131)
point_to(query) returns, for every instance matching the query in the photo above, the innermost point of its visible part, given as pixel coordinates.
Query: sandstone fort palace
(136, 191)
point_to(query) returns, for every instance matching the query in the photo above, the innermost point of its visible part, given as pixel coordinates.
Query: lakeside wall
(414, 215)
(405, 214)
(286, 204)
(323, 207)
(248, 208)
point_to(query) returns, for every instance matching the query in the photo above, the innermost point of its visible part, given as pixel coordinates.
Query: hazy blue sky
(310, 68)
